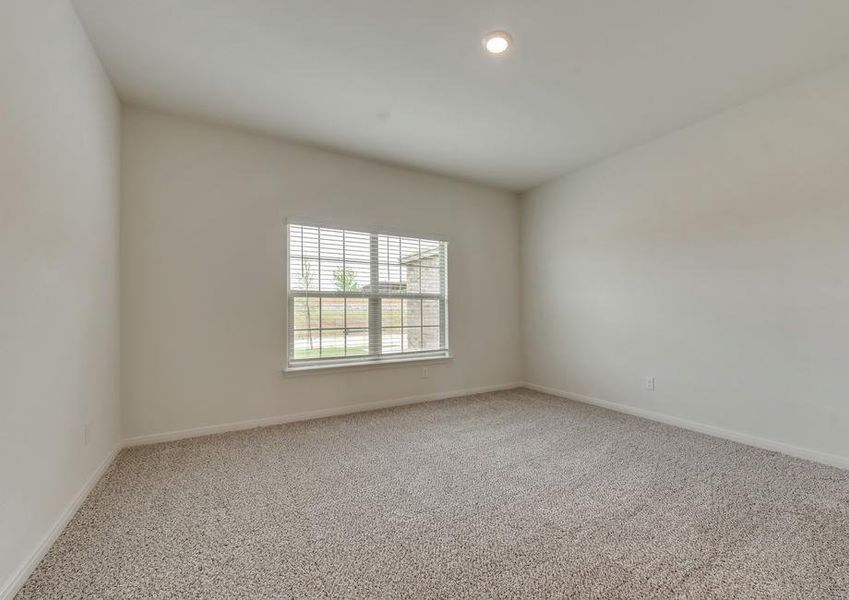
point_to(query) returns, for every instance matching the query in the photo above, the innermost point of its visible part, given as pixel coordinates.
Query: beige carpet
(504, 495)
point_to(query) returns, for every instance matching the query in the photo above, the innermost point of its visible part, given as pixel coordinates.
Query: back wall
(202, 259)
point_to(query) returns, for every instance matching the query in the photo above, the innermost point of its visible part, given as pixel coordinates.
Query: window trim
(369, 361)
(367, 365)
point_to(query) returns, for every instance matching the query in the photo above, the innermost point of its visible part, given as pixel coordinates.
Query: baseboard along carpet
(512, 494)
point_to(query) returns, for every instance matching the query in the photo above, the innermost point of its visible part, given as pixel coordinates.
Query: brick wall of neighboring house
(421, 338)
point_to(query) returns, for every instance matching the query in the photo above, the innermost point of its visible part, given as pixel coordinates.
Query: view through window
(357, 296)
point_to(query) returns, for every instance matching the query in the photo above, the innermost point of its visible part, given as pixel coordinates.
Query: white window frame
(375, 329)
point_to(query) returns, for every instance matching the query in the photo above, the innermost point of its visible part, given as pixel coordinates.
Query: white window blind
(358, 296)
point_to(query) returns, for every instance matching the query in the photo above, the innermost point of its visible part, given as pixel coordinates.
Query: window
(364, 297)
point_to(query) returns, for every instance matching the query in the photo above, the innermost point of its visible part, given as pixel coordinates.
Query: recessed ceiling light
(497, 42)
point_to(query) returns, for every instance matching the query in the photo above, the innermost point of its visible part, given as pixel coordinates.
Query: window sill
(366, 365)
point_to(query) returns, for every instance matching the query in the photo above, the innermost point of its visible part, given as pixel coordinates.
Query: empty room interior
(424, 299)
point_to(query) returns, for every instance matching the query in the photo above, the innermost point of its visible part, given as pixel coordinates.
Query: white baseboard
(728, 434)
(171, 436)
(19, 577)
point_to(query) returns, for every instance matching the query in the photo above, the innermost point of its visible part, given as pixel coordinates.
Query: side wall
(715, 259)
(203, 318)
(59, 324)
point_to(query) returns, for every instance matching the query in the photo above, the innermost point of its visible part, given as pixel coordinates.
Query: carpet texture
(505, 495)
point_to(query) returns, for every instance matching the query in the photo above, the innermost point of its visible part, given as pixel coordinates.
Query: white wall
(717, 260)
(203, 331)
(59, 168)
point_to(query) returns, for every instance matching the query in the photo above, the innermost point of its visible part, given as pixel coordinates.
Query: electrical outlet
(86, 434)
(648, 383)
(425, 373)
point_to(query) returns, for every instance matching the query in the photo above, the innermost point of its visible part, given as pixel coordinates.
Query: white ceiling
(406, 81)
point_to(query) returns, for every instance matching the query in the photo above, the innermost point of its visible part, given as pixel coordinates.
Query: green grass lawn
(301, 354)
